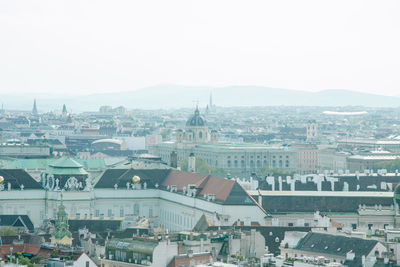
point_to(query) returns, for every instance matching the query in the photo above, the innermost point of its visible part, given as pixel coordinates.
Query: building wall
(307, 160)
(246, 159)
(174, 211)
(331, 160)
(24, 151)
(83, 260)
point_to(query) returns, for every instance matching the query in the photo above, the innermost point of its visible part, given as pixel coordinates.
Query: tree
(390, 166)
(275, 171)
(8, 231)
(202, 167)
(25, 261)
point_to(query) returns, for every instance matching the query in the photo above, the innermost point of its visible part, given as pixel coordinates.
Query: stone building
(246, 158)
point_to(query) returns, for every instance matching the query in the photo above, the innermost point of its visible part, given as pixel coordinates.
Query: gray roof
(336, 245)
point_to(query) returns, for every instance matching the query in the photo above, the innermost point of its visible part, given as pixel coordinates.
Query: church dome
(196, 119)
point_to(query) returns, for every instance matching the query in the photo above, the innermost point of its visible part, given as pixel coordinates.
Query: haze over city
(84, 47)
(199, 133)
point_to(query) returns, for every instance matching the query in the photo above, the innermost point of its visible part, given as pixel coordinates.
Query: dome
(196, 119)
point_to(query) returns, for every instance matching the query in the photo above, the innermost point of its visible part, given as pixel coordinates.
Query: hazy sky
(101, 46)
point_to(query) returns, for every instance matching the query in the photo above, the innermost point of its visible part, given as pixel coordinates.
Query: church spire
(64, 110)
(34, 110)
(61, 234)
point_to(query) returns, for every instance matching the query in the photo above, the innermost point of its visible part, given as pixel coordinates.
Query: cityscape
(244, 186)
(186, 133)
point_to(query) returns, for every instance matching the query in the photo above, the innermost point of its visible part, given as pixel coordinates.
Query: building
(371, 161)
(307, 158)
(349, 251)
(332, 160)
(172, 199)
(139, 252)
(312, 132)
(245, 158)
(61, 235)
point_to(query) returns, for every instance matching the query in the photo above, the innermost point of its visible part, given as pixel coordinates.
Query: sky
(83, 47)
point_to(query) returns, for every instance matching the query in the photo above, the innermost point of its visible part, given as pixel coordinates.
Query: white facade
(171, 210)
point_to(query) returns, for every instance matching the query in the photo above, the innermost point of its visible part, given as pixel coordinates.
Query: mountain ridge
(166, 96)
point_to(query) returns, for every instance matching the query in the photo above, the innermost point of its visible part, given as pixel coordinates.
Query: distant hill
(176, 96)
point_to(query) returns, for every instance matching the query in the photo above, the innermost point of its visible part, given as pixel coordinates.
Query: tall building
(312, 132)
(64, 110)
(34, 109)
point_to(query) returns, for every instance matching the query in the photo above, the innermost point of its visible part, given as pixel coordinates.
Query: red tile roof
(218, 186)
(182, 179)
(24, 248)
(184, 260)
(205, 184)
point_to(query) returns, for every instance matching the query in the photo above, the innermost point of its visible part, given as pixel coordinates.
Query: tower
(61, 234)
(34, 110)
(214, 137)
(311, 130)
(196, 128)
(192, 163)
(64, 110)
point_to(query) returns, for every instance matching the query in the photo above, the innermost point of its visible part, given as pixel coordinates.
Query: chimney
(192, 163)
(350, 255)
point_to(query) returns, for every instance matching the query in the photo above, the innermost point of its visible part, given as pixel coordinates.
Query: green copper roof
(87, 163)
(61, 227)
(65, 162)
(66, 166)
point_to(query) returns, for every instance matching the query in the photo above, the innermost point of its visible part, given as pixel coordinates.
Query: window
(87, 264)
(136, 209)
(200, 135)
(229, 163)
(150, 212)
(370, 226)
(236, 163)
(121, 212)
(290, 224)
(354, 226)
(97, 213)
(109, 213)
